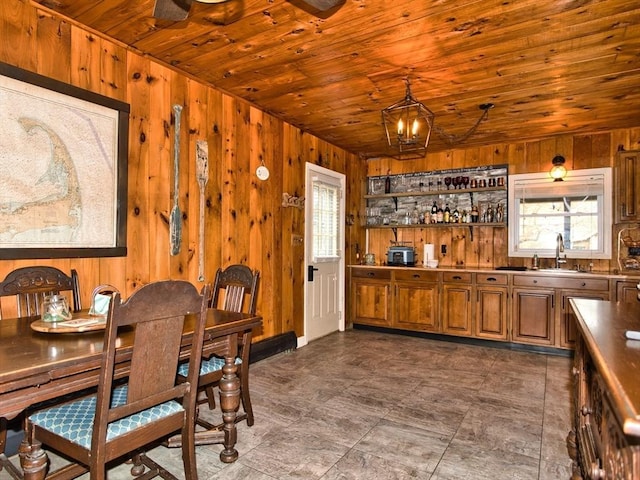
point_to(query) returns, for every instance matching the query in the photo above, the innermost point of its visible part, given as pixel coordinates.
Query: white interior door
(324, 252)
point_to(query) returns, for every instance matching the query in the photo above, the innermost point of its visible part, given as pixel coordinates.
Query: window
(579, 208)
(326, 214)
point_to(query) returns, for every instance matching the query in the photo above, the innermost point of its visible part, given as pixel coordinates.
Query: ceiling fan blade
(172, 9)
(323, 5)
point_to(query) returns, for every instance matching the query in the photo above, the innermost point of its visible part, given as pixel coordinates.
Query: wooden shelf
(436, 193)
(438, 225)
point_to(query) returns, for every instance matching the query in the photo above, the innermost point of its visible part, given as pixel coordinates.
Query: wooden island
(604, 442)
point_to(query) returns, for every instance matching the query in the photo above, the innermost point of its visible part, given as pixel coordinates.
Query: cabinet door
(568, 329)
(627, 292)
(371, 302)
(627, 189)
(416, 306)
(533, 316)
(456, 309)
(491, 312)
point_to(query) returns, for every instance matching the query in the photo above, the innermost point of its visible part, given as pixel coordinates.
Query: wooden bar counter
(604, 442)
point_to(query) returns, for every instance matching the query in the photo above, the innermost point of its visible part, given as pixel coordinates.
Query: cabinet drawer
(492, 279)
(416, 275)
(456, 277)
(377, 273)
(564, 282)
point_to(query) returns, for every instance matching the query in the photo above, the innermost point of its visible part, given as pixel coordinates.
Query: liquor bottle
(446, 217)
(474, 214)
(490, 214)
(415, 215)
(387, 185)
(440, 215)
(434, 213)
(455, 215)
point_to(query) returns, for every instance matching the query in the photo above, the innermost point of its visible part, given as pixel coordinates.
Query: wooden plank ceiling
(550, 67)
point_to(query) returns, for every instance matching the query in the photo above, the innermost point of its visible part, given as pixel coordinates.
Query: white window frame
(594, 181)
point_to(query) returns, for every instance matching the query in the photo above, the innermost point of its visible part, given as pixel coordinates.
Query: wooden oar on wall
(175, 219)
(202, 174)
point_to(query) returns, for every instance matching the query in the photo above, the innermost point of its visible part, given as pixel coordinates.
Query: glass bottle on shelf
(455, 215)
(474, 214)
(425, 217)
(387, 185)
(439, 215)
(434, 212)
(415, 215)
(490, 214)
(446, 215)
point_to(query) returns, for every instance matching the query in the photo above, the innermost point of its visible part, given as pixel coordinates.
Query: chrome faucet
(559, 249)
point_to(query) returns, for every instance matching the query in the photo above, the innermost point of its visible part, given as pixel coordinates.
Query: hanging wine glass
(456, 182)
(465, 181)
(447, 181)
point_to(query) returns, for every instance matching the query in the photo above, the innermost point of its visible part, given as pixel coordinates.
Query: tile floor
(367, 405)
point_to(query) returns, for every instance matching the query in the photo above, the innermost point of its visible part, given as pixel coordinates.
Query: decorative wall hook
(289, 201)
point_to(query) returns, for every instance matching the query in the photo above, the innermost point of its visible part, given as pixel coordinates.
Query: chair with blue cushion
(126, 415)
(234, 289)
(22, 293)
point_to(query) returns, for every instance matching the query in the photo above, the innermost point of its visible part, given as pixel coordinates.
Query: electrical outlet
(443, 249)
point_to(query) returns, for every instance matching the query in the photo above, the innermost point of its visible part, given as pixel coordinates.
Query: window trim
(573, 179)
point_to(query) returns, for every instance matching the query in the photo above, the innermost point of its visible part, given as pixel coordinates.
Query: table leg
(229, 403)
(33, 460)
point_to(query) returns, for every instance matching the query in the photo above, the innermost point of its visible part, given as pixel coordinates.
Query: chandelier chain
(452, 139)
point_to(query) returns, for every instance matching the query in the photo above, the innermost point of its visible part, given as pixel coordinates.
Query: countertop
(546, 271)
(602, 325)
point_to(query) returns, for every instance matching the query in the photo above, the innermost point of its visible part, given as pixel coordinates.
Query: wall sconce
(558, 171)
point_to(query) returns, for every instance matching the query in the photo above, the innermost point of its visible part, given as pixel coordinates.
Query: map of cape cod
(58, 162)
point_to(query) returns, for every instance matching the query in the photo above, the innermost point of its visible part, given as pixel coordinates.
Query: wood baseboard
(273, 345)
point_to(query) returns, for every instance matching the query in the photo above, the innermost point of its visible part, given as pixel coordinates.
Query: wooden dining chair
(234, 289)
(29, 286)
(121, 419)
(21, 295)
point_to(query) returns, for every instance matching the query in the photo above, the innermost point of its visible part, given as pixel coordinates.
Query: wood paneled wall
(245, 221)
(489, 248)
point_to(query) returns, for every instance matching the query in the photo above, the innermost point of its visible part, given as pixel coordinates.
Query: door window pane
(326, 213)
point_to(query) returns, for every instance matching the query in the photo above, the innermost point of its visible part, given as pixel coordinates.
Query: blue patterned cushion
(74, 421)
(213, 364)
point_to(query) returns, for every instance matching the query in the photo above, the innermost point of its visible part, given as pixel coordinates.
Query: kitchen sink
(559, 270)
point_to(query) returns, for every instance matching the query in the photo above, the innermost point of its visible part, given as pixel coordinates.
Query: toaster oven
(401, 256)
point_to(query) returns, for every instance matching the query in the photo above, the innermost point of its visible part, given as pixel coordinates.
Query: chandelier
(408, 125)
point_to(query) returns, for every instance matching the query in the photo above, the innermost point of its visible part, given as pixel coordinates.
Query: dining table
(47, 363)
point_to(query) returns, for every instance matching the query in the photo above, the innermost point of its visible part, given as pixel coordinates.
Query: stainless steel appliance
(399, 255)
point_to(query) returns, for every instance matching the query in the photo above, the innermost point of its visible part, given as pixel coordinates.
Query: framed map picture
(63, 158)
